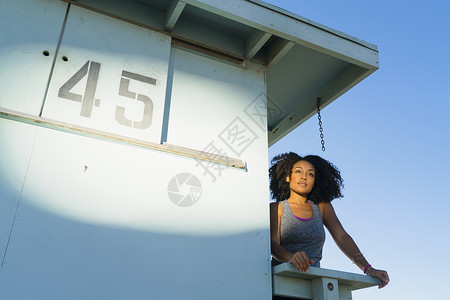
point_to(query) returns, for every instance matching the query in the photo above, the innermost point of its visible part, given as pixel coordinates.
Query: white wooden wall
(83, 218)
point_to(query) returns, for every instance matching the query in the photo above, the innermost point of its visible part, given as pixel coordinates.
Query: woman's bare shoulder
(324, 207)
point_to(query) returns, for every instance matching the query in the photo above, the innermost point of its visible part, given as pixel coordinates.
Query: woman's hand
(380, 274)
(301, 261)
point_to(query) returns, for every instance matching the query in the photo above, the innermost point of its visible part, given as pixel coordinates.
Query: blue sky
(390, 138)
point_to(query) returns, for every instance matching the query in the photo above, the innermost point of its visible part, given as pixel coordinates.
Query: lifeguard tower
(134, 141)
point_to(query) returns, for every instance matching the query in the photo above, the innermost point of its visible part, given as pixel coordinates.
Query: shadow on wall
(49, 257)
(54, 243)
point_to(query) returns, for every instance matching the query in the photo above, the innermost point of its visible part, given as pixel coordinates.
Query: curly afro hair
(327, 185)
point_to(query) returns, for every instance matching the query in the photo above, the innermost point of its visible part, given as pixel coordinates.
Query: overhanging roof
(305, 60)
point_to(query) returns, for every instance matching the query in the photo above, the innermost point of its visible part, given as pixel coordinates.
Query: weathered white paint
(15, 154)
(238, 30)
(114, 47)
(90, 218)
(95, 221)
(85, 218)
(217, 93)
(27, 29)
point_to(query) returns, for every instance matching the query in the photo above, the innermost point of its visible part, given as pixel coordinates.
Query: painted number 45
(91, 69)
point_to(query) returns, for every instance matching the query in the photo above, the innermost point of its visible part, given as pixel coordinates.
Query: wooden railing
(317, 283)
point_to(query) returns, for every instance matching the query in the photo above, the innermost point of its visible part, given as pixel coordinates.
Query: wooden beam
(278, 50)
(255, 42)
(302, 31)
(173, 13)
(111, 137)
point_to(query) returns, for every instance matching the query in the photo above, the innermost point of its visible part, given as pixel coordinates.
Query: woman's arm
(347, 245)
(300, 260)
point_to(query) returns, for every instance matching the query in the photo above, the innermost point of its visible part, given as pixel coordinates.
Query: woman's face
(302, 178)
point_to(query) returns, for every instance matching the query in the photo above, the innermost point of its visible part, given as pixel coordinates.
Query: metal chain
(322, 141)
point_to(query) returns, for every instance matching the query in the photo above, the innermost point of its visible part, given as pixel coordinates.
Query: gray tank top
(307, 235)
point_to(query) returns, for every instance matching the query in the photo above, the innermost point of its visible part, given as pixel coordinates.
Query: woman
(303, 188)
